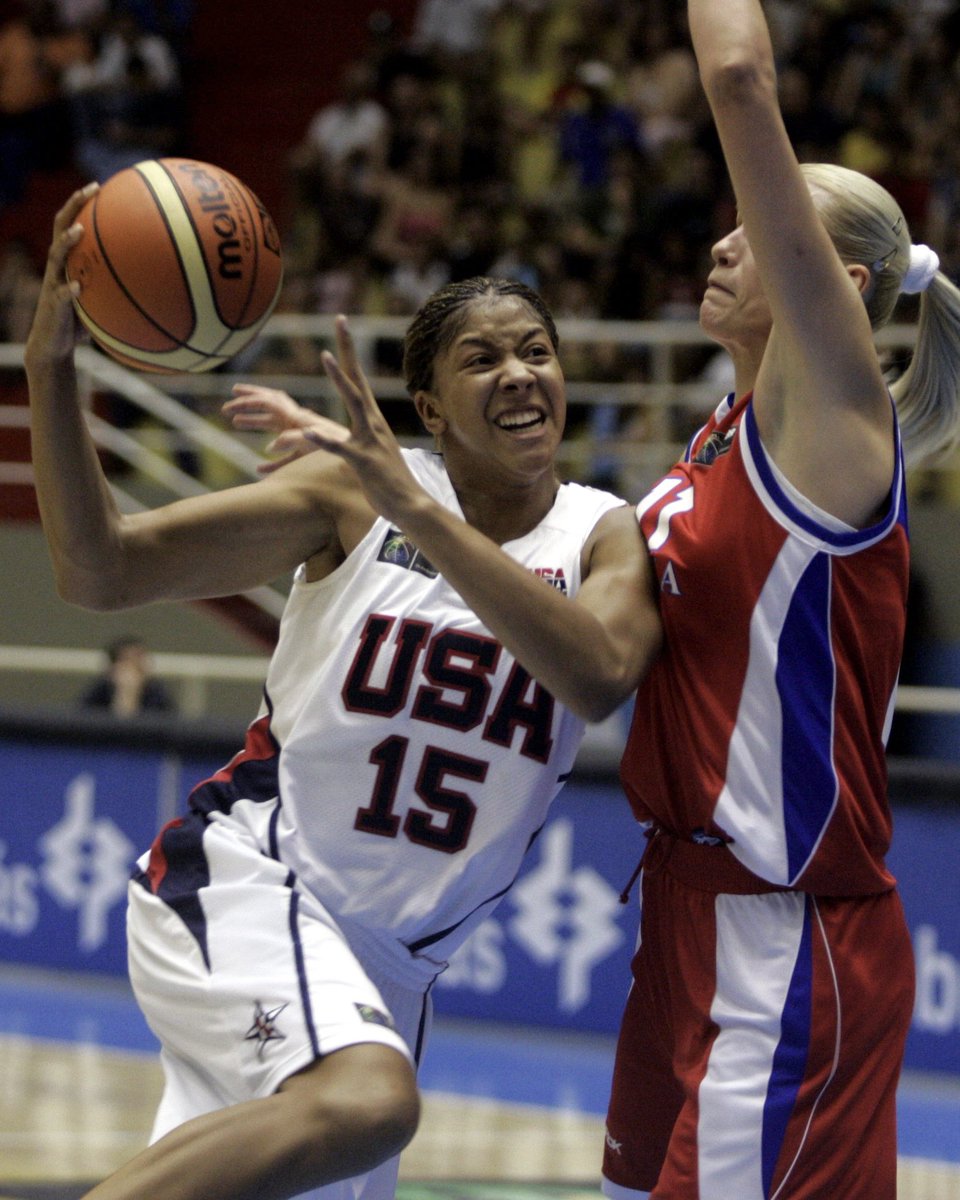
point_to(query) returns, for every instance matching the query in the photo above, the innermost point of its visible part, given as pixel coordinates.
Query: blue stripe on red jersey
(790, 1058)
(805, 681)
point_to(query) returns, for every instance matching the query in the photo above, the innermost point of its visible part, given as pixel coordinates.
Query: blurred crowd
(567, 143)
(563, 142)
(87, 87)
(90, 84)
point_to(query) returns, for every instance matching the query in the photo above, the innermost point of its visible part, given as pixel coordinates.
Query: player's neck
(507, 514)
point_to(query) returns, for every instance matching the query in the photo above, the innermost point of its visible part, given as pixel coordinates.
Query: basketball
(179, 266)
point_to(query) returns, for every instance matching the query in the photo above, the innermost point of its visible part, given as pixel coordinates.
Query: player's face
(734, 310)
(498, 401)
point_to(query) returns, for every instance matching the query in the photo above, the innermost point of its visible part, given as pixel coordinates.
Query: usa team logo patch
(399, 551)
(373, 1016)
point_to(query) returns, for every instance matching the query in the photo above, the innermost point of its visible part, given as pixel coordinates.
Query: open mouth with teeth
(519, 422)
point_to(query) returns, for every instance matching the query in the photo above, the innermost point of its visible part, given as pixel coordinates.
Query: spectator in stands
(810, 123)
(661, 86)
(416, 114)
(517, 257)
(126, 102)
(454, 33)
(334, 215)
(592, 131)
(19, 289)
(875, 63)
(475, 239)
(170, 19)
(352, 127)
(35, 50)
(418, 204)
(423, 271)
(128, 687)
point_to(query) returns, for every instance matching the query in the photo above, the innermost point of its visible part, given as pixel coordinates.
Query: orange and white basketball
(179, 266)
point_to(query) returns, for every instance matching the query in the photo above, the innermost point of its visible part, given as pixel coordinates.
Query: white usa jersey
(403, 761)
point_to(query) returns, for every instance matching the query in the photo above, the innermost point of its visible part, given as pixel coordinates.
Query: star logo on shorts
(264, 1027)
(612, 1143)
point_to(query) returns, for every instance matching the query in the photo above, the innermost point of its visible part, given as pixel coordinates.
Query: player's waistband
(707, 867)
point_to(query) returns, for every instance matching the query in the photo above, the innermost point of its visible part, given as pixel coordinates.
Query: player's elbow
(92, 590)
(621, 674)
(603, 695)
(594, 708)
(741, 82)
(82, 594)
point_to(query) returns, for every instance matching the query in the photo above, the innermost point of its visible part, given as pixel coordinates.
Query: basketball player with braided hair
(773, 980)
(285, 933)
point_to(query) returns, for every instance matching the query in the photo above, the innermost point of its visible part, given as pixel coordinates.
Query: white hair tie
(924, 265)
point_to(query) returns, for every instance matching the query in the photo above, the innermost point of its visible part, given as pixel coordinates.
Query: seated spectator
(417, 207)
(334, 213)
(592, 132)
(475, 241)
(127, 687)
(417, 114)
(454, 33)
(19, 289)
(35, 132)
(170, 19)
(354, 125)
(127, 102)
(661, 87)
(424, 271)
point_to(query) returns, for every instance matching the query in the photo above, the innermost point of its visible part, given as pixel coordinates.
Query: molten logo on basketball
(214, 203)
(179, 265)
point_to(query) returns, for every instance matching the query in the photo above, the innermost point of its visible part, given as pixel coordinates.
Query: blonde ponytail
(867, 226)
(927, 394)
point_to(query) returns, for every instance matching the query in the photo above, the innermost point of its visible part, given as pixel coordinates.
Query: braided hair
(441, 317)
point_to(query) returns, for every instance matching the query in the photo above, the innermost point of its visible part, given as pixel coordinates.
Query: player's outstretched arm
(202, 546)
(267, 410)
(589, 653)
(76, 507)
(820, 400)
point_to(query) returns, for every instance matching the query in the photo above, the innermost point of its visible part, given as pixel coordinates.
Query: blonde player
(773, 985)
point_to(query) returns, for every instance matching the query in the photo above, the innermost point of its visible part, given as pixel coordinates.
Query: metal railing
(194, 673)
(175, 404)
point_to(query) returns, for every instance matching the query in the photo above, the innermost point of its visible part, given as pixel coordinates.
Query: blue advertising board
(556, 952)
(72, 822)
(926, 861)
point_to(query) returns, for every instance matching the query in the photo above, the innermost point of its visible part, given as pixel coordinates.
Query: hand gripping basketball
(178, 268)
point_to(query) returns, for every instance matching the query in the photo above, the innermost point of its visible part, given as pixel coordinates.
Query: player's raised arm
(820, 400)
(203, 546)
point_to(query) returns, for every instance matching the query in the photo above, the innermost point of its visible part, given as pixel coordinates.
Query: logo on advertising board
(937, 1008)
(564, 918)
(86, 862)
(84, 866)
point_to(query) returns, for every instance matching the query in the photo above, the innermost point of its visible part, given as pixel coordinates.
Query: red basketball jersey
(764, 720)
